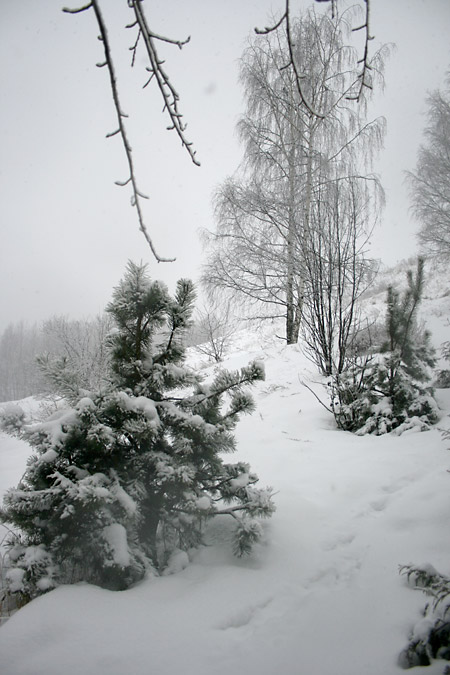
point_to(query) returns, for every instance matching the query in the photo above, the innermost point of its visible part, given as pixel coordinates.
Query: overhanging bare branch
(137, 195)
(168, 92)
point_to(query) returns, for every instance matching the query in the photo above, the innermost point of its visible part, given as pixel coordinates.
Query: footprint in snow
(342, 540)
(244, 616)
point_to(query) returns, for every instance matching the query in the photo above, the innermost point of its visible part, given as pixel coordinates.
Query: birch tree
(292, 151)
(430, 183)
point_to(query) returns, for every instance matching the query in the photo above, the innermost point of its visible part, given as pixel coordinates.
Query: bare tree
(363, 78)
(290, 155)
(213, 329)
(430, 183)
(338, 271)
(77, 347)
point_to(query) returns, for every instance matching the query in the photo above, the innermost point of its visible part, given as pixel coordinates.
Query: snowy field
(320, 596)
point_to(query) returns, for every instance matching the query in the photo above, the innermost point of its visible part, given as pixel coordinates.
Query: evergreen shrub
(125, 477)
(386, 390)
(430, 637)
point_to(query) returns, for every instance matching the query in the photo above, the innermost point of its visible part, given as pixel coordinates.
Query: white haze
(68, 231)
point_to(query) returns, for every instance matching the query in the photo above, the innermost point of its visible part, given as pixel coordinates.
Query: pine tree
(386, 390)
(430, 637)
(128, 475)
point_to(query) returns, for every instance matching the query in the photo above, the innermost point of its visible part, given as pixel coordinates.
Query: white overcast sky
(67, 231)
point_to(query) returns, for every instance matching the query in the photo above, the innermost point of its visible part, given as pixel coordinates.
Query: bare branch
(120, 117)
(362, 77)
(302, 382)
(362, 81)
(134, 47)
(67, 10)
(267, 30)
(168, 92)
(291, 63)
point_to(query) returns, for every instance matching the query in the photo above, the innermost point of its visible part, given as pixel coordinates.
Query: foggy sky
(67, 231)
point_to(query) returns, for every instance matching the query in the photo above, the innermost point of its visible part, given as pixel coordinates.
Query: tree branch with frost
(364, 61)
(291, 63)
(168, 93)
(363, 77)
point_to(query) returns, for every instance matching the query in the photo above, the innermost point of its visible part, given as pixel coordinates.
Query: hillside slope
(321, 595)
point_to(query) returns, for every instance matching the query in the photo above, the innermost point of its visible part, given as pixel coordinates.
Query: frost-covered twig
(362, 78)
(302, 382)
(291, 63)
(365, 59)
(168, 92)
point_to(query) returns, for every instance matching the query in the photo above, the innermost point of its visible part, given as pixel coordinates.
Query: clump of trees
(293, 222)
(28, 354)
(386, 388)
(126, 475)
(430, 182)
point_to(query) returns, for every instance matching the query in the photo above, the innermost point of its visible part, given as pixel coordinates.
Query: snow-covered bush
(127, 475)
(430, 637)
(387, 390)
(443, 377)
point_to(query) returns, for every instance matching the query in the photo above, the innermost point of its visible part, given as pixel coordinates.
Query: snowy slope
(320, 596)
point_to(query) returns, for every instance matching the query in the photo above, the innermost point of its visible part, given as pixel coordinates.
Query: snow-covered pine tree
(387, 389)
(430, 637)
(128, 475)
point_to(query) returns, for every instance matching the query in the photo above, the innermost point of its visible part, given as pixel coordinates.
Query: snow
(124, 498)
(15, 578)
(178, 560)
(115, 536)
(320, 595)
(48, 456)
(203, 503)
(140, 404)
(239, 482)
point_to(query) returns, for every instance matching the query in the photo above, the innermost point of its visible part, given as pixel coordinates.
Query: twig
(67, 10)
(137, 194)
(168, 91)
(365, 59)
(362, 78)
(315, 396)
(291, 63)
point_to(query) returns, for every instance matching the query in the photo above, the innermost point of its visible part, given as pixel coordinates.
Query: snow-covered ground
(320, 596)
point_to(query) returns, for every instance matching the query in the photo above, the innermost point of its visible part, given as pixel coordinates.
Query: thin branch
(134, 47)
(67, 10)
(362, 78)
(298, 77)
(168, 92)
(291, 63)
(267, 30)
(315, 396)
(365, 59)
(121, 129)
